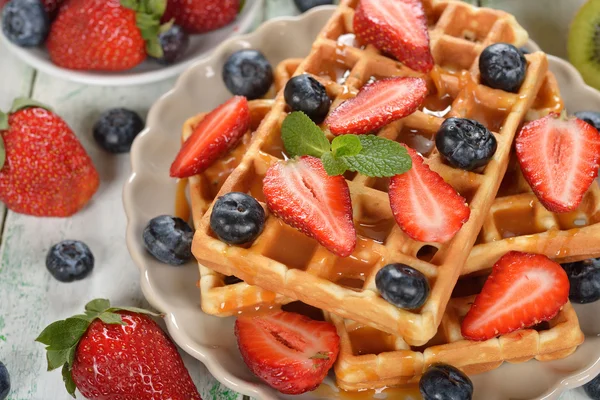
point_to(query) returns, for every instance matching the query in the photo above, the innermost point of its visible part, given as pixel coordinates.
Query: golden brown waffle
(372, 359)
(293, 265)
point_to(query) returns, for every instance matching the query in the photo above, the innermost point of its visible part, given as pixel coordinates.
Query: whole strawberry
(111, 35)
(199, 16)
(44, 170)
(116, 353)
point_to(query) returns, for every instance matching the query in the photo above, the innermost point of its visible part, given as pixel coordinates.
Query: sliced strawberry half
(301, 194)
(214, 136)
(290, 352)
(523, 290)
(425, 206)
(377, 104)
(560, 159)
(397, 27)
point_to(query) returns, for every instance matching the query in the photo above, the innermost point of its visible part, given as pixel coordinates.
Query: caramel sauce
(367, 340)
(378, 231)
(572, 220)
(438, 106)
(391, 393)
(421, 141)
(182, 206)
(516, 222)
(220, 170)
(335, 70)
(293, 248)
(350, 272)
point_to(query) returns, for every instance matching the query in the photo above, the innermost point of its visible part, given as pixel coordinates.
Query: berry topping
(591, 117)
(290, 352)
(213, 137)
(300, 193)
(522, 291)
(169, 239)
(116, 128)
(425, 206)
(403, 286)
(445, 382)
(502, 66)
(199, 16)
(305, 5)
(116, 353)
(237, 218)
(174, 43)
(4, 382)
(25, 22)
(304, 93)
(584, 277)
(398, 27)
(465, 143)
(592, 388)
(377, 104)
(70, 260)
(34, 136)
(248, 73)
(559, 158)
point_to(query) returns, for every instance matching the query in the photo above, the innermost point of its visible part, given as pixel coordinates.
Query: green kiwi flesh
(583, 45)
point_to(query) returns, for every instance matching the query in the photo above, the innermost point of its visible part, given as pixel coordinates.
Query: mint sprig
(369, 155)
(62, 337)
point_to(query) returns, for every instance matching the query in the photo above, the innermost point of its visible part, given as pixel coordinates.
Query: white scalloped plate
(150, 192)
(148, 71)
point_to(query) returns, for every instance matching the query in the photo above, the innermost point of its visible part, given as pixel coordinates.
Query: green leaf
(379, 157)
(332, 165)
(146, 21)
(111, 318)
(68, 334)
(98, 305)
(3, 121)
(86, 317)
(68, 380)
(135, 310)
(131, 4)
(47, 334)
(153, 48)
(242, 4)
(156, 7)
(57, 358)
(346, 145)
(2, 152)
(166, 26)
(23, 102)
(320, 356)
(301, 136)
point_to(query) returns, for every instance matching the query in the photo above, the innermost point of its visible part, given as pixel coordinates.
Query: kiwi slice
(583, 45)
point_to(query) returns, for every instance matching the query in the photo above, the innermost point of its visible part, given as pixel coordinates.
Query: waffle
(287, 262)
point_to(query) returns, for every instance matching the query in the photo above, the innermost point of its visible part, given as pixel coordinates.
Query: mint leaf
(301, 136)
(379, 157)
(97, 305)
(332, 165)
(346, 145)
(68, 380)
(111, 318)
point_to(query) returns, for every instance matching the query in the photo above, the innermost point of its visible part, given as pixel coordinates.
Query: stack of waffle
(382, 345)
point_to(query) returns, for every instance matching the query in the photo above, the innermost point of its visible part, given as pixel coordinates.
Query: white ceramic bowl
(150, 192)
(149, 71)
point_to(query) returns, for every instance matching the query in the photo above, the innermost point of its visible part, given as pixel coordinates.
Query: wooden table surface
(29, 297)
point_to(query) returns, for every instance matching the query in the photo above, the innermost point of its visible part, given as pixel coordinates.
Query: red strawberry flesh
(377, 104)
(523, 290)
(425, 206)
(214, 136)
(199, 16)
(398, 27)
(290, 352)
(560, 160)
(301, 194)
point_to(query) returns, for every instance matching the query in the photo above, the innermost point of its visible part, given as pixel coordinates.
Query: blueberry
(584, 277)
(591, 117)
(592, 388)
(25, 22)
(502, 66)
(237, 218)
(169, 239)
(305, 93)
(174, 43)
(70, 260)
(465, 143)
(248, 73)
(4, 382)
(403, 286)
(305, 5)
(116, 128)
(445, 382)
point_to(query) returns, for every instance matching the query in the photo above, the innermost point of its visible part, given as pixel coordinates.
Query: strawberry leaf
(21, 103)
(242, 4)
(57, 358)
(111, 318)
(153, 48)
(136, 310)
(3, 121)
(301, 136)
(346, 145)
(131, 4)
(68, 380)
(332, 165)
(97, 305)
(2, 151)
(156, 7)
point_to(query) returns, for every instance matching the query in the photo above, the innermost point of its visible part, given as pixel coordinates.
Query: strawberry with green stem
(112, 35)
(116, 353)
(44, 170)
